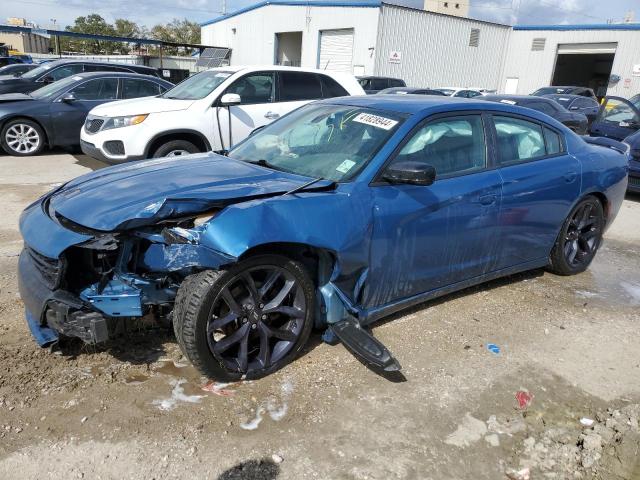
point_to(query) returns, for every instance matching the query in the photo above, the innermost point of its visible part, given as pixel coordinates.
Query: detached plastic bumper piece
(90, 327)
(364, 345)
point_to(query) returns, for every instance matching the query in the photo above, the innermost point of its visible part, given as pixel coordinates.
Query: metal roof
(91, 36)
(586, 26)
(300, 3)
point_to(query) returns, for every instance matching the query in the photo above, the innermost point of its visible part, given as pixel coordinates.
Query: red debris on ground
(524, 399)
(220, 389)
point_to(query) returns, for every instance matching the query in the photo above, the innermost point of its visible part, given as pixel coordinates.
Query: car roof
(425, 104)
(66, 61)
(119, 74)
(518, 98)
(366, 77)
(256, 68)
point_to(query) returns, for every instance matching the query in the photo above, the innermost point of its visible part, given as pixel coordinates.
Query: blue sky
(151, 12)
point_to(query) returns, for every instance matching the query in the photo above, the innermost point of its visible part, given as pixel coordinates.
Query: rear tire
(230, 333)
(579, 238)
(22, 138)
(175, 148)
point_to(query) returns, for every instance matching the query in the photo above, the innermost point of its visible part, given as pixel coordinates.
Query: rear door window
(518, 140)
(92, 67)
(396, 83)
(296, 86)
(135, 88)
(379, 83)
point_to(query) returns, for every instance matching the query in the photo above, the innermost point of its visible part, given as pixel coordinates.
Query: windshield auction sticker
(375, 121)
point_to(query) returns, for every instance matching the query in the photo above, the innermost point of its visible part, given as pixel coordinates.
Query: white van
(193, 116)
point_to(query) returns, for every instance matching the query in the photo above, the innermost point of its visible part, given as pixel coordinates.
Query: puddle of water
(136, 379)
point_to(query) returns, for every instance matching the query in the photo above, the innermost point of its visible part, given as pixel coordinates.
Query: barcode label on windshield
(375, 121)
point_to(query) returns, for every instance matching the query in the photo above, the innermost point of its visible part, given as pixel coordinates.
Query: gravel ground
(135, 409)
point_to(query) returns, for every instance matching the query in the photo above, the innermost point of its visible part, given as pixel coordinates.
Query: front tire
(579, 238)
(175, 148)
(22, 138)
(247, 321)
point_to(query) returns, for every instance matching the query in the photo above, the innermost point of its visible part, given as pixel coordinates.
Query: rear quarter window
(331, 88)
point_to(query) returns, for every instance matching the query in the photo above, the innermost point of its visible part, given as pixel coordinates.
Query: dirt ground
(135, 409)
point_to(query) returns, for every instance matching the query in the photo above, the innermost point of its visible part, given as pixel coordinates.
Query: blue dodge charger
(336, 215)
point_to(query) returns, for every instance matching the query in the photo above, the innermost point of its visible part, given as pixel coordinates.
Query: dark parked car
(410, 90)
(375, 84)
(16, 69)
(577, 122)
(9, 61)
(634, 162)
(576, 103)
(338, 214)
(581, 91)
(53, 71)
(618, 118)
(54, 114)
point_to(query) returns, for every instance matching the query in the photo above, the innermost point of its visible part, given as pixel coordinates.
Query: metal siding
(535, 69)
(253, 42)
(435, 49)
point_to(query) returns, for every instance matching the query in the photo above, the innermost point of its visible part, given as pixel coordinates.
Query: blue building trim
(299, 3)
(593, 26)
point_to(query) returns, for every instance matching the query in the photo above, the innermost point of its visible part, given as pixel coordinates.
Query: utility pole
(56, 39)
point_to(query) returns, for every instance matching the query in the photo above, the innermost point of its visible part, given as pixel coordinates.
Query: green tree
(178, 31)
(92, 24)
(127, 28)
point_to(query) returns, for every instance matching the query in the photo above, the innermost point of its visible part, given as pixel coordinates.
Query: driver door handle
(271, 115)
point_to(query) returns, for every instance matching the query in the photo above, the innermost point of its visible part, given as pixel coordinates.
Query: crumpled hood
(140, 106)
(143, 193)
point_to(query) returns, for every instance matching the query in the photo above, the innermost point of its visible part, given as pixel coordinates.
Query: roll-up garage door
(577, 48)
(336, 50)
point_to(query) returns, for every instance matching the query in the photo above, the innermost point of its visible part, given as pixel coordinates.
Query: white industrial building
(427, 48)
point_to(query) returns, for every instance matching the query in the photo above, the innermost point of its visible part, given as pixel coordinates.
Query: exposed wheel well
(197, 139)
(310, 257)
(22, 117)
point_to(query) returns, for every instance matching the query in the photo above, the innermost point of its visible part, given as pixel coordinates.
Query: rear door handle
(570, 176)
(488, 199)
(271, 115)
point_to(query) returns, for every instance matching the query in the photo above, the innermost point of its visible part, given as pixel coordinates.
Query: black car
(575, 121)
(577, 103)
(9, 61)
(53, 71)
(54, 114)
(410, 90)
(17, 69)
(375, 84)
(564, 90)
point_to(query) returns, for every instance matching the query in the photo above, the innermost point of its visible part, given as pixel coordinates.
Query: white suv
(194, 117)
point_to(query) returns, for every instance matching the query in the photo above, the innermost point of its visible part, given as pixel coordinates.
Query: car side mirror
(409, 172)
(68, 98)
(230, 100)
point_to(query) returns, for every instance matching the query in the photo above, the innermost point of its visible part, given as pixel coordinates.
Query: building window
(474, 37)
(446, 4)
(457, 5)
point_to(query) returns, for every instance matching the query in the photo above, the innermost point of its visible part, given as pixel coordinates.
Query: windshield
(37, 71)
(333, 142)
(198, 86)
(446, 91)
(54, 88)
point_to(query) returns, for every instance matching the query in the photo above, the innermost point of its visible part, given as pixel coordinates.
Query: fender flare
(175, 131)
